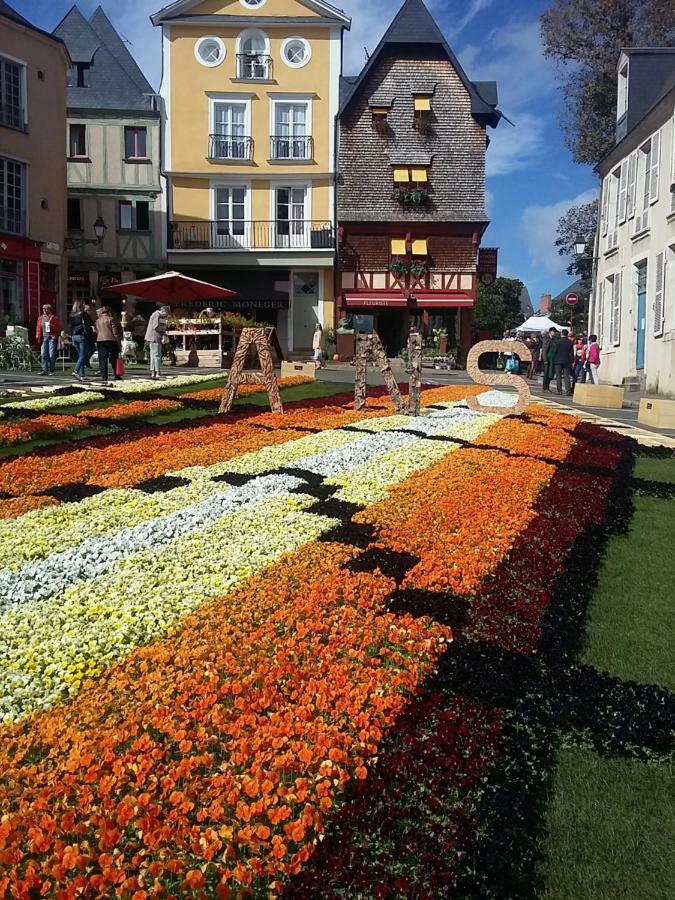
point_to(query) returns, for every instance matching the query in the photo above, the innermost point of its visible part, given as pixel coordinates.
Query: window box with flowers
(411, 195)
(419, 267)
(399, 267)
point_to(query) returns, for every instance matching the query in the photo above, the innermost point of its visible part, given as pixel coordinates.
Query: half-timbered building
(411, 188)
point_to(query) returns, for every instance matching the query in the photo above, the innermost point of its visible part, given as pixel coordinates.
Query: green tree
(498, 306)
(578, 222)
(586, 38)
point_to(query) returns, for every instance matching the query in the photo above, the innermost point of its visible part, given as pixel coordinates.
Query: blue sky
(532, 180)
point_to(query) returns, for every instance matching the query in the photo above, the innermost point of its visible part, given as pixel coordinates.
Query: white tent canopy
(539, 323)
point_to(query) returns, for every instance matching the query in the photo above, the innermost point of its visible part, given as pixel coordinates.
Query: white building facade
(633, 308)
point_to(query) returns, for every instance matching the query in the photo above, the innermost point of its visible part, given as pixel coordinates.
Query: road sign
(572, 299)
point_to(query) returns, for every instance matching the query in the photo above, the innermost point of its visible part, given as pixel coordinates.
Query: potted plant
(419, 268)
(414, 196)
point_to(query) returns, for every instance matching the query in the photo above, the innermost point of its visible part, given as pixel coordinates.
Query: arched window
(253, 59)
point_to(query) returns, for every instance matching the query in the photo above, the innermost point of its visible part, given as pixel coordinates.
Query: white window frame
(79, 156)
(257, 4)
(631, 186)
(244, 36)
(307, 218)
(238, 183)
(613, 211)
(292, 100)
(615, 309)
(655, 168)
(622, 91)
(659, 305)
(642, 203)
(233, 99)
(223, 50)
(308, 48)
(24, 84)
(23, 212)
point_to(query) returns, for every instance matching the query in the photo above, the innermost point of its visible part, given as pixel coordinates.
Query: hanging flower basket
(419, 268)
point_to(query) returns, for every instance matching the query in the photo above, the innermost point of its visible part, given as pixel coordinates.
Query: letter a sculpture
(261, 339)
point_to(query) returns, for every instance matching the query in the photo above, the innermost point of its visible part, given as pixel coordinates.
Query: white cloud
(513, 148)
(538, 227)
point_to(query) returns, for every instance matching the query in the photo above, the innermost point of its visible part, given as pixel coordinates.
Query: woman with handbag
(108, 342)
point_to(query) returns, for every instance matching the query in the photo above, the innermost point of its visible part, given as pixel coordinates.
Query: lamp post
(100, 229)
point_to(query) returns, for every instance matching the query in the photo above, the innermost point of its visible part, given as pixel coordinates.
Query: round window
(296, 52)
(252, 4)
(210, 51)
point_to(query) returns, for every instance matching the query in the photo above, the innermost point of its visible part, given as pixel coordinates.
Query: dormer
(622, 91)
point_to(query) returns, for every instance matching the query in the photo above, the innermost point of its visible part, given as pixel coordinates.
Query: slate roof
(414, 24)
(115, 81)
(651, 76)
(180, 9)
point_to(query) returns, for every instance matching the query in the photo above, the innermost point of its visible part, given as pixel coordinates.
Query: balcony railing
(226, 147)
(12, 221)
(240, 234)
(291, 147)
(254, 66)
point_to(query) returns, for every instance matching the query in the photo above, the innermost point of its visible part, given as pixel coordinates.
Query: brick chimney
(545, 304)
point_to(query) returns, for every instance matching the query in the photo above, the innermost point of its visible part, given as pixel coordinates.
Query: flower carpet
(317, 654)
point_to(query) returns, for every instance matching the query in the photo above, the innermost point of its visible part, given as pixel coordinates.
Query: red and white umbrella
(172, 288)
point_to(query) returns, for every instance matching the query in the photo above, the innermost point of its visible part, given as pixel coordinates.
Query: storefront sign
(78, 278)
(236, 304)
(109, 279)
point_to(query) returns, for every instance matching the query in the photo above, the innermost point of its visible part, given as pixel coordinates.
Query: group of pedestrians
(100, 331)
(569, 361)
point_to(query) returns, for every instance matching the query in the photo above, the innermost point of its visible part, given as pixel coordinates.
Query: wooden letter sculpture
(492, 378)
(261, 339)
(414, 370)
(371, 345)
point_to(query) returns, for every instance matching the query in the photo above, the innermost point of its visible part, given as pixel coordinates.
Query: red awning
(426, 301)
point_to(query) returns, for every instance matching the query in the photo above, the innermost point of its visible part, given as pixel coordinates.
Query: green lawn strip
(655, 469)
(631, 619)
(610, 830)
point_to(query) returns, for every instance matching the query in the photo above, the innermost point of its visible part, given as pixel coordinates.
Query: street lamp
(100, 229)
(579, 247)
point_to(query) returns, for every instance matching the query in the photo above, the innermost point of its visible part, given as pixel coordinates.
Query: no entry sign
(572, 299)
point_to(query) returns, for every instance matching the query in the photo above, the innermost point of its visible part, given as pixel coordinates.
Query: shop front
(21, 282)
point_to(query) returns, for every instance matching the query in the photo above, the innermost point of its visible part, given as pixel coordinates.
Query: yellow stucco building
(250, 92)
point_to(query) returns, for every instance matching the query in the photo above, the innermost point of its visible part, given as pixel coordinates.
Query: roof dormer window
(622, 94)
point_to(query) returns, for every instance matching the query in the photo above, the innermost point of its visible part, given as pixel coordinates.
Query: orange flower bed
(126, 460)
(20, 431)
(135, 409)
(17, 506)
(464, 515)
(210, 760)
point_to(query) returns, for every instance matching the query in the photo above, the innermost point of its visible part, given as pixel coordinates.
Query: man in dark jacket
(546, 340)
(564, 361)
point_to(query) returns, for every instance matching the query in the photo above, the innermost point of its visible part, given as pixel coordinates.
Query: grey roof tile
(111, 85)
(106, 31)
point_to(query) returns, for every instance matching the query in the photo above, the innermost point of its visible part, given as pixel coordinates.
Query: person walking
(317, 346)
(579, 371)
(154, 336)
(47, 334)
(548, 356)
(81, 336)
(593, 358)
(564, 360)
(108, 341)
(535, 350)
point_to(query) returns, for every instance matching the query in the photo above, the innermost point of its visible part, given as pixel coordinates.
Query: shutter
(616, 310)
(623, 192)
(605, 204)
(658, 294)
(632, 183)
(654, 172)
(601, 310)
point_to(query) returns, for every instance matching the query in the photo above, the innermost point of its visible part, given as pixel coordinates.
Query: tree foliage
(498, 306)
(586, 38)
(578, 222)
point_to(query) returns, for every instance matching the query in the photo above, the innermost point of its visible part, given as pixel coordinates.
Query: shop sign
(109, 279)
(78, 278)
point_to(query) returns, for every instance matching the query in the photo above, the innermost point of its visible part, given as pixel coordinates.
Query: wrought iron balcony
(226, 147)
(241, 234)
(12, 221)
(291, 147)
(254, 66)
